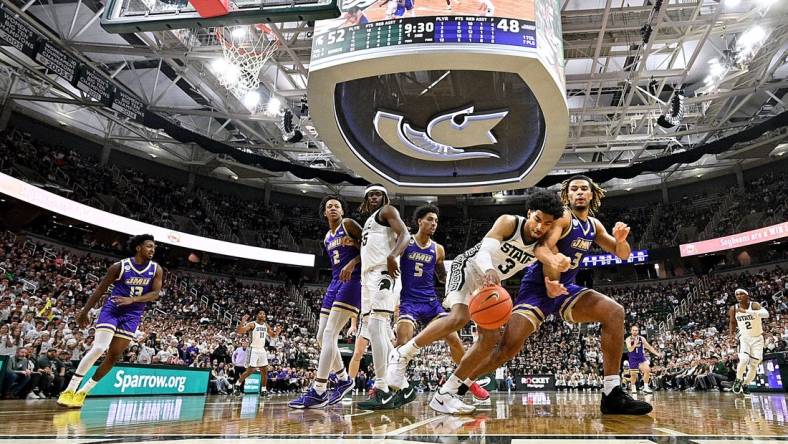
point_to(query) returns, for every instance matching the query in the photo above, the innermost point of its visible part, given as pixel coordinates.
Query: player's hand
(393, 266)
(351, 331)
(620, 231)
(347, 272)
(491, 278)
(82, 319)
(120, 301)
(245, 318)
(348, 241)
(554, 288)
(561, 263)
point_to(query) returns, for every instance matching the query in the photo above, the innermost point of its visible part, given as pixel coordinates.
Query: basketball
(491, 307)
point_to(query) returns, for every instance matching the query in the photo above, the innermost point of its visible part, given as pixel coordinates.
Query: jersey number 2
(748, 325)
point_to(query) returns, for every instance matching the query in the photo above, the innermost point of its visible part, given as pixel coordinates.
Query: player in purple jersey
(135, 281)
(577, 232)
(638, 362)
(340, 304)
(421, 264)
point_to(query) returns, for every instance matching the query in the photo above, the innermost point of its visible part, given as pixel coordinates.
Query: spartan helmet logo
(444, 133)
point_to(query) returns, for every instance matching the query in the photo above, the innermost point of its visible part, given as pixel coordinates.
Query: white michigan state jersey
(749, 323)
(377, 243)
(258, 333)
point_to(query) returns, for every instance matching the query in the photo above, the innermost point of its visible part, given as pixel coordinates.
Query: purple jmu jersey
(134, 280)
(340, 254)
(418, 272)
(574, 245)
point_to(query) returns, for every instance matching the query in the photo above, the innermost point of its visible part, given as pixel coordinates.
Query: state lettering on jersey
(746, 317)
(420, 257)
(516, 253)
(582, 244)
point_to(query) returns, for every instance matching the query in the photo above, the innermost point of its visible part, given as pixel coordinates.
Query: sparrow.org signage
(133, 379)
(606, 260)
(252, 383)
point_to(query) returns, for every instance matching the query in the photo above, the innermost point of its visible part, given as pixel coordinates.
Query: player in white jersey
(383, 239)
(256, 355)
(747, 315)
(511, 245)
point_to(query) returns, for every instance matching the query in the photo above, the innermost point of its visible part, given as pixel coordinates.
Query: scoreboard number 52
(508, 25)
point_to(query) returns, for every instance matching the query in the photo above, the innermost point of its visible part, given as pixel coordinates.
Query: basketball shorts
(377, 291)
(257, 357)
(464, 279)
(420, 313)
(752, 346)
(120, 322)
(363, 328)
(342, 296)
(635, 361)
(534, 304)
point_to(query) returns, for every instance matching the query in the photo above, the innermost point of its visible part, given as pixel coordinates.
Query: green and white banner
(133, 379)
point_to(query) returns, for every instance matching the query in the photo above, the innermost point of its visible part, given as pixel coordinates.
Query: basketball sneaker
(736, 386)
(237, 389)
(341, 388)
(66, 398)
(647, 389)
(310, 400)
(450, 404)
(404, 396)
(745, 390)
(78, 400)
(396, 370)
(619, 402)
(479, 393)
(379, 401)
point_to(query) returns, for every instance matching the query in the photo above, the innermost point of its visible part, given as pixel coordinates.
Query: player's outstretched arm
(352, 228)
(440, 268)
(112, 274)
(758, 310)
(649, 347)
(244, 326)
(617, 243)
(503, 228)
(391, 216)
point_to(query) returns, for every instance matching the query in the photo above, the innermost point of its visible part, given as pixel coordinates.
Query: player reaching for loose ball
(638, 362)
(507, 248)
(747, 315)
(573, 235)
(257, 356)
(135, 281)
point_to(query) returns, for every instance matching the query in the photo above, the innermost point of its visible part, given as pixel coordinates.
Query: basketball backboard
(160, 15)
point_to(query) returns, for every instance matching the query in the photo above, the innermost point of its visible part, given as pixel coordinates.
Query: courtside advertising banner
(252, 383)
(765, 234)
(527, 383)
(135, 380)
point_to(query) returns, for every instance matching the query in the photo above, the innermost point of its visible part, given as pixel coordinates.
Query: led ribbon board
(441, 101)
(57, 204)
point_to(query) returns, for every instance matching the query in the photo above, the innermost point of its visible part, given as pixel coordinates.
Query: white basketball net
(246, 49)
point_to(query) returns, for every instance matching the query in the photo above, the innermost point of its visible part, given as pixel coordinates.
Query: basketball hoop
(246, 50)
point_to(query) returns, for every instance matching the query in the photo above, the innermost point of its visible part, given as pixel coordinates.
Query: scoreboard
(421, 30)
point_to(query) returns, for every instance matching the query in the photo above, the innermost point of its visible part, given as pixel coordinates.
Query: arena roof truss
(617, 84)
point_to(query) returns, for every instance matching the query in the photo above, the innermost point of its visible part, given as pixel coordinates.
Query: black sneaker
(379, 401)
(407, 395)
(237, 390)
(618, 402)
(736, 386)
(745, 390)
(264, 393)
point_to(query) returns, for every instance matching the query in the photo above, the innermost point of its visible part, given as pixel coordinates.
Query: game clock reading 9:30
(419, 27)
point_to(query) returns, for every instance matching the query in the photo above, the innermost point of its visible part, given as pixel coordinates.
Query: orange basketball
(491, 307)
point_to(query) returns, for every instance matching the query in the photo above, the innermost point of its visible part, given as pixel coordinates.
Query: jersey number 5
(364, 239)
(419, 271)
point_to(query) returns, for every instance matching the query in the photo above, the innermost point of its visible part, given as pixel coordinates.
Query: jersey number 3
(510, 263)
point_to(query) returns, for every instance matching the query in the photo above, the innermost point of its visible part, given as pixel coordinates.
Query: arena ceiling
(617, 87)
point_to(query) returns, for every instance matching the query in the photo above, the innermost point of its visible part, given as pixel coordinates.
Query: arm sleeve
(762, 313)
(484, 256)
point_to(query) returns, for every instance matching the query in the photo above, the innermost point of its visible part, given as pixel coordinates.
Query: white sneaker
(396, 370)
(32, 395)
(633, 389)
(647, 389)
(450, 404)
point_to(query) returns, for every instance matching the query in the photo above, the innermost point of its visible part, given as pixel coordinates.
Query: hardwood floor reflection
(515, 415)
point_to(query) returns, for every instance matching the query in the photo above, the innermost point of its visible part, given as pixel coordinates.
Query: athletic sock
(452, 385)
(88, 386)
(463, 389)
(320, 387)
(611, 382)
(74, 384)
(342, 375)
(468, 381)
(410, 349)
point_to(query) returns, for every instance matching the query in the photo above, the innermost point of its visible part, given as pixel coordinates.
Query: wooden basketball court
(517, 417)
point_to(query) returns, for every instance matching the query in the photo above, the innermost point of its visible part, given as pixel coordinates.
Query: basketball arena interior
(213, 216)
